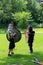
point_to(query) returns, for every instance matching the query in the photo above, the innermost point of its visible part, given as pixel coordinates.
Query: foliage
(22, 18)
(35, 8)
(41, 12)
(20, 11)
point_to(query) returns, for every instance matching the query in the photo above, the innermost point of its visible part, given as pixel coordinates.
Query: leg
(9, 53)
(31, 49)
(11, 46)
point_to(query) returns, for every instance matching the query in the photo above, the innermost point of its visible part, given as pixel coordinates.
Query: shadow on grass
(21, 59)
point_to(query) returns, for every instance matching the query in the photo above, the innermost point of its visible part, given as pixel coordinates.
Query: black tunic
(31, 36)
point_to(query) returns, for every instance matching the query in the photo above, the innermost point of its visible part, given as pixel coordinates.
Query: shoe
(31, 51)
(9, 54)
(12, 53)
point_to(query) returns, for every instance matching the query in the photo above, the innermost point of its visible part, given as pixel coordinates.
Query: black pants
(30, 46)
(12, 44)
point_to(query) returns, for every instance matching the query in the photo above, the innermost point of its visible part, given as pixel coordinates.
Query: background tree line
(22, 12)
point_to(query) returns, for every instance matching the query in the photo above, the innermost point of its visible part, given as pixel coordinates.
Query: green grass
(21, 52)
(38, 29)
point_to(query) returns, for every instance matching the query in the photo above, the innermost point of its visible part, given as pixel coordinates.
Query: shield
(17, 37)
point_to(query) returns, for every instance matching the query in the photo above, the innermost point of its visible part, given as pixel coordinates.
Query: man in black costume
(30, 38)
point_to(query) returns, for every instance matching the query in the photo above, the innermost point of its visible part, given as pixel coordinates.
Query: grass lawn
(21, 52)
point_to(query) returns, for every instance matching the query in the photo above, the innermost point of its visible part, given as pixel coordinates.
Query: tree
(41, 11)
(11, 6)
(22, 19)
(32, 7)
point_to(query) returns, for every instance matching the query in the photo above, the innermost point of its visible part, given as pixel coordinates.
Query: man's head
(30, 29)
